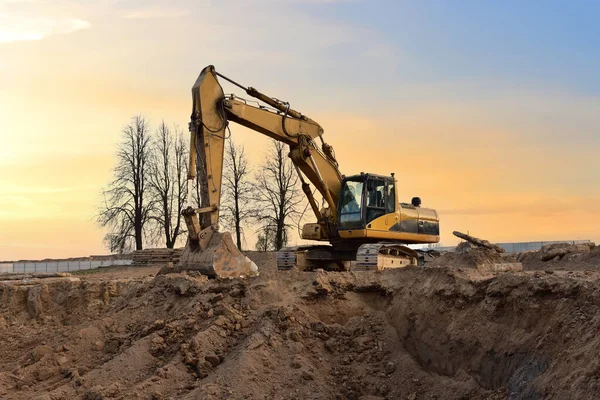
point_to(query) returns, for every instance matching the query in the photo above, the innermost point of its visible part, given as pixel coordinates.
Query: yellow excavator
(364, 224)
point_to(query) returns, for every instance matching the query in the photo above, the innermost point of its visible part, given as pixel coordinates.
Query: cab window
(351, 205)
(391, 198)
(375, 199)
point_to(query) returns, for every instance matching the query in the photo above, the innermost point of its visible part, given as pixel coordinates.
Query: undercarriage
(366, 257)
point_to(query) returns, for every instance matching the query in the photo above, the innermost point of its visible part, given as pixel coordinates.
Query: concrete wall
(6, 267)
(59, 266)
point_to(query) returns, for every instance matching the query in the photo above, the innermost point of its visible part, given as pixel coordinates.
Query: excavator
(361, 225)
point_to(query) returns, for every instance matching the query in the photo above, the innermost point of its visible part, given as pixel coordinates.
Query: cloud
(15, 28)
(157, 12)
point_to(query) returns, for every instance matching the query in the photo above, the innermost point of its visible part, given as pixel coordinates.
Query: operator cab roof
(363, 176)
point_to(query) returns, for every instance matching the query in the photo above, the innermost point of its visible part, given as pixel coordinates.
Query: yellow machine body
(360, 209)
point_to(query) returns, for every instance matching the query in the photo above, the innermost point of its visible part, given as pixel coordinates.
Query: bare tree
(278, 196)
(126, 208)
(265, 240)
(168, 182)
(236, 205)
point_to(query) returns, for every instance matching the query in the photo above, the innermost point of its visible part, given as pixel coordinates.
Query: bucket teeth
(220, 258)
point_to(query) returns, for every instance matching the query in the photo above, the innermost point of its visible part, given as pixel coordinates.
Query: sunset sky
(489, 111)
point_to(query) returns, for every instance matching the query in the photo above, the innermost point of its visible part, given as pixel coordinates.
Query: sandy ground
(443, 332)
(119, 273)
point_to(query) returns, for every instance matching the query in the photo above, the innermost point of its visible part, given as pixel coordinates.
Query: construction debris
(559, 250)
(478, 254)
(156, 256)
(484, 260)
(478, 242)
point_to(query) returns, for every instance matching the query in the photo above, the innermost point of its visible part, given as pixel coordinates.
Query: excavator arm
(211, 113)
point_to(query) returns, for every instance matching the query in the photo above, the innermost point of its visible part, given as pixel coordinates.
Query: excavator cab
(364, 198)
(369, 210)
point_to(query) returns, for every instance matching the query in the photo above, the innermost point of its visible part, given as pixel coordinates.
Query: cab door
(376, 199)
(380, 204)
(390, 204)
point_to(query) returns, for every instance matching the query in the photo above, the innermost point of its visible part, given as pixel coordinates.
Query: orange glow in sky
(505, 158)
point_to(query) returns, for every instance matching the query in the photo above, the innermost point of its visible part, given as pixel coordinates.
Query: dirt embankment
(562, 256)
(417, 333)
(553, 257)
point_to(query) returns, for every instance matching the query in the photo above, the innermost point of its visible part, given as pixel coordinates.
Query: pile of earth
(484, 260)
(552, 257)
(415, 333)
(562, 256)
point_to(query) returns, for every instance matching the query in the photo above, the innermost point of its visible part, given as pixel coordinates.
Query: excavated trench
(509, 334)
(416, 333)
(504, 365)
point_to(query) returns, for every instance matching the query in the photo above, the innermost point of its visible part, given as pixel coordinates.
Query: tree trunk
(138, 233)
(238, 233)
(167, 222)
(279, 235)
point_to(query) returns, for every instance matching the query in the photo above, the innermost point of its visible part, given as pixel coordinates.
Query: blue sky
(514, 42)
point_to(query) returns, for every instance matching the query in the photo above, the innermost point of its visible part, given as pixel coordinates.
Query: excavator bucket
(212, 253)
(219, 258)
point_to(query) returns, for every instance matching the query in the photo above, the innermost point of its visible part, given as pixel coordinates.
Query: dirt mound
(562, 256)
(484, 260)
(416, 333)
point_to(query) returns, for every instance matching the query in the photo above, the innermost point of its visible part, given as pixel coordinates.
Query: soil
(576, 261)
(417, 333)
(482, 259)
(119, 272)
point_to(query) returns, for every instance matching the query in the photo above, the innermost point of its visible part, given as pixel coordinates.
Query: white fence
(59, 266)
